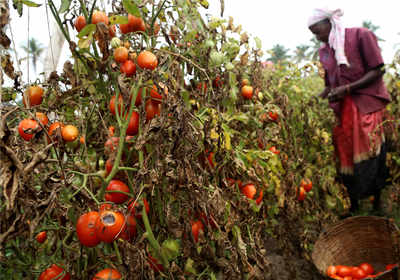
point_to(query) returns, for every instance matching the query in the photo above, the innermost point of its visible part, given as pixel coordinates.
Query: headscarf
(336, 36)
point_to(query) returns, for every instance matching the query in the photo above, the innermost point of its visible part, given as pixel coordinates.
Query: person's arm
(324, 93)
(370, 77)
(373, 62)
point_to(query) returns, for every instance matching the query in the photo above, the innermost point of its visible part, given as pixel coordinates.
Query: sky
(274, 22)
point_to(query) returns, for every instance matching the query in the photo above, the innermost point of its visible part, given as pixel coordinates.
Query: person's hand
(337, 94)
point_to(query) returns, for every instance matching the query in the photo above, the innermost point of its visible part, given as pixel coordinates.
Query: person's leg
(377, 200)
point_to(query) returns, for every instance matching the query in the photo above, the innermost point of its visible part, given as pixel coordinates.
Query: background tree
(301, 53)
(279, 54)
(33, 50)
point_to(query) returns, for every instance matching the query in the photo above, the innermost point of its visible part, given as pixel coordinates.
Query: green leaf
(204, 3)
(88, 29)
(30, 3)
(64, 6)
(131, 7)
(258, 42)
(118, 19)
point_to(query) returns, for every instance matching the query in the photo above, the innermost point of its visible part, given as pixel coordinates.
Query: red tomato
(109, 225)
(306, 184)
(133, 126)
(348, 278)
(343, 270)
(80, 23)
(111, 145)
(107, 274)
(390, 266)
(273, 115)
(155, 96)
(105, 206)
(129, 230)
(85, 229)
(249, 190)
(358, 273)
(99, 16)
(368, 268)
(197, 226)
(210, 159)
(118, 198)
(147, 60)
(259, 199)
(54, 272)
(301, 194)
(41, 237)
(27, 129)
(125, 28)
(128, 68)
(274, 150)
(217, 82)
(202, 87)
(35, 95)
(152, 109)
(247, 92)
(43, 119)
(154, 264)
(136, 208)
(331, 270)
(54, 129)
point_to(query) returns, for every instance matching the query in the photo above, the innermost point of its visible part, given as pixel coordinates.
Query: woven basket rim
(332, 234)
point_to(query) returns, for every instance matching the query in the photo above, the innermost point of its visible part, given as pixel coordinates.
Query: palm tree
(34, 49)
(315, 45)
(301, 53)
(279, 54)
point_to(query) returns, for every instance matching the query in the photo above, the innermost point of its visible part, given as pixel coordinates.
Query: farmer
(354, 87)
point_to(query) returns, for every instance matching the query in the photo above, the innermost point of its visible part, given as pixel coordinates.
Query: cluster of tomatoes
(56, 272)
(304, 188)
(28, 128)
(364, 270)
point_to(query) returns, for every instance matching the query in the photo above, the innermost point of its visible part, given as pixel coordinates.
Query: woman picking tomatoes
(353, 67)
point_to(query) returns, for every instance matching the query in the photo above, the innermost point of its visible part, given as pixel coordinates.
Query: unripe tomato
(34, 95)
(118, 198)
(86, 229)
(99, 16)
(80, 23)
(197, 226)
(41, 237)
(109, 225)
(152, 109)
(121, 54)
(27, 129)
(54, 272)
(133, 126)
(107, 274)
(128, 68)
(69, 133)
(247, 92)
(147, 60)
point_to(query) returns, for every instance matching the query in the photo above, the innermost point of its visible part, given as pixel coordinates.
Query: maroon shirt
(363, 54)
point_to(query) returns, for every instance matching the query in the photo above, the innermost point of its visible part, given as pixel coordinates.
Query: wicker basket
(356, 240)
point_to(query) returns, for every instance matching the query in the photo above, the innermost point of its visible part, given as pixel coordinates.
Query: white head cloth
(336, 36)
